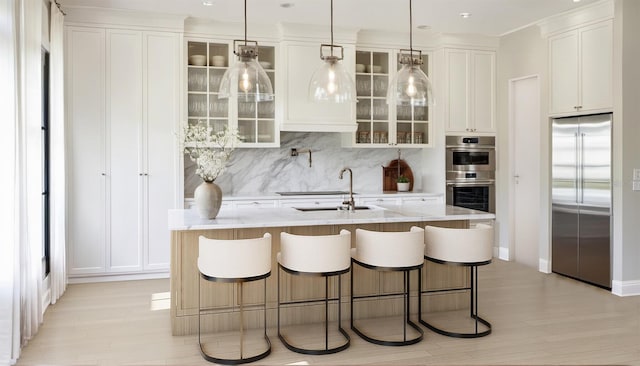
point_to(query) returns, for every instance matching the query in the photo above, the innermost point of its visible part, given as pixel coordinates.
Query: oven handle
(474, 183)
(470, 149)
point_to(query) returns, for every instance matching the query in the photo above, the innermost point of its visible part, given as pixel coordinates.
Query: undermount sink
(357, 208)
(313, 193)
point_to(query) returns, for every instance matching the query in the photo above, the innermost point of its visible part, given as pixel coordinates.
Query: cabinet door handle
(104, 174)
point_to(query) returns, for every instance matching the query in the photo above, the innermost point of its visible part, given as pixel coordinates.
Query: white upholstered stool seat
(389, 251)
(235, 261)
(325, 256)
(462, 247)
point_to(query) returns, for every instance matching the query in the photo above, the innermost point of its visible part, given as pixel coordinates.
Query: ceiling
(488, 17)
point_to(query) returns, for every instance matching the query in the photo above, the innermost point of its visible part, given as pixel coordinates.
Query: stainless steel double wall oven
(471, 166)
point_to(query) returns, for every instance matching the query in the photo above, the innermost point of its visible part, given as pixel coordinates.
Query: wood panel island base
(221, 299)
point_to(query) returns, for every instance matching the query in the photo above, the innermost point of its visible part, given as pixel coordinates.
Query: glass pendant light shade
(247, 81)
(410, 86)
(332, 83)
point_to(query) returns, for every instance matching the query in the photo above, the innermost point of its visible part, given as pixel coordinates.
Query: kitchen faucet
(350, 204)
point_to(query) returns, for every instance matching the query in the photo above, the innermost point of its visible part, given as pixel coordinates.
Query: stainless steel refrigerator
(581, 198)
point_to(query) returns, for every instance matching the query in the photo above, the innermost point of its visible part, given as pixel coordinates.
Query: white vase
(208, 198)
(403, 187)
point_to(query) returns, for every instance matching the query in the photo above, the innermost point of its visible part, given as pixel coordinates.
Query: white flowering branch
(210, 151)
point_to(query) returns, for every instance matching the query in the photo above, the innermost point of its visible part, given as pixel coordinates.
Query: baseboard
(119, 277)
(501, 253)
(544, 266)
(625, 288)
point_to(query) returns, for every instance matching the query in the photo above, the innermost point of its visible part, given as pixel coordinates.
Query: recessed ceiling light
(207, 2)
(287, 5)
(424, 27)
(465, 15)
(576, 1)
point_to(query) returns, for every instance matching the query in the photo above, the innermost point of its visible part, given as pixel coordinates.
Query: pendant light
(246, 79)
(410, 86)
(331, 82)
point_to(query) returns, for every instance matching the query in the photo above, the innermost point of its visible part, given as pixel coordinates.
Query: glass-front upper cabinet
(372, 110)
(206, 64)
(381, 124)
(413, 127)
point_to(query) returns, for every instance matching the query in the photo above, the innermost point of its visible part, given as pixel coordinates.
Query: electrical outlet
(636, 174)
(636, 185)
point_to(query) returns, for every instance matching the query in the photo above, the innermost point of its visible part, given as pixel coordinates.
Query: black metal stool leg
(326, 349)
(473, 309)
(405, 316)
(242, 359)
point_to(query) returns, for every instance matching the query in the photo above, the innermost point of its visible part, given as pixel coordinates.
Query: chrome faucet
(350, 204)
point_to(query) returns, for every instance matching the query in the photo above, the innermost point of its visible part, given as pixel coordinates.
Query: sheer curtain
(57, 157)
(21, 191)
(29, 174)
(9, 258)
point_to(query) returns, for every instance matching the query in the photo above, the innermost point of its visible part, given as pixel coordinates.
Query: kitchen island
(240, 223)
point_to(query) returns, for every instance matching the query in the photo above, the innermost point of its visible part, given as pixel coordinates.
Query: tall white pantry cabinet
(122, 90)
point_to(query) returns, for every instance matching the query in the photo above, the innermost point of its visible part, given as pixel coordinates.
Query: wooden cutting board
(390, 175)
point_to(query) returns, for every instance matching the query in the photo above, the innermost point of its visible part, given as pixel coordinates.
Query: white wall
(626, 147)
(522, 53)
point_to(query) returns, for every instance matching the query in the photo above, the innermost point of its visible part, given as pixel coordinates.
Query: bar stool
(385, 252)
(325, 256)
(460, 247)
(237, 262)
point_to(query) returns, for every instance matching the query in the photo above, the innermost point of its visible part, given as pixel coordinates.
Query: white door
(124, 127)
(525, 145)
(86, 159)
(162, 115)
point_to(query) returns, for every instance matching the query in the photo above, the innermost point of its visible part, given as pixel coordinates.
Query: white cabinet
(122, 88)
(470, 91)
(581, 68)
(381, 124)
(207, 61)
(299, 61)
(85, 99)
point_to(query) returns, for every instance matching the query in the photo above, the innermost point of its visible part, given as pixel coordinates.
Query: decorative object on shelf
(246, 79)
(410, 86)
(403, 183)
(211, 152)
(331, 82)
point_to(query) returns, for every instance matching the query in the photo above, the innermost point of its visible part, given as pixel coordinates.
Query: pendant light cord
(245, 22)
(331, 27)
(410, 29)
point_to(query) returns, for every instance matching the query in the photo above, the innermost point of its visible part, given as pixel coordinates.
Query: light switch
(636, 185)
(636, 174)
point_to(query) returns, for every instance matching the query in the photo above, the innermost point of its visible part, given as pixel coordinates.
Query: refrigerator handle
(582, 167)
(577, 179)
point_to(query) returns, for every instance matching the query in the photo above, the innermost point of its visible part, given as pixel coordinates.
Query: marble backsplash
(265, 171)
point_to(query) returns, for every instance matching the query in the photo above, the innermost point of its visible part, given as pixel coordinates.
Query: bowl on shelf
(359, 67)
(217, 60)
(376, 69)
(265, 64)
(198, 60)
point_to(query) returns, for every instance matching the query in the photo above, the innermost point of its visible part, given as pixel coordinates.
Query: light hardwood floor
(537, 319)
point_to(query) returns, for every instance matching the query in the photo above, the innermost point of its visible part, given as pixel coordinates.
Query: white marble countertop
(252, 217)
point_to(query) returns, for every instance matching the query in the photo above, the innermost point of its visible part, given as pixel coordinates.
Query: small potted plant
(402, 183)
